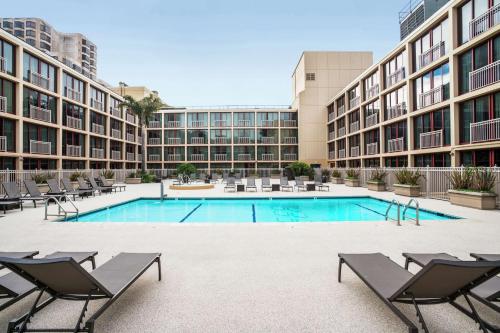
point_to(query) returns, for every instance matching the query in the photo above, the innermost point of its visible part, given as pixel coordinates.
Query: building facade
(434, 100)
(73, 49)
(53, 117)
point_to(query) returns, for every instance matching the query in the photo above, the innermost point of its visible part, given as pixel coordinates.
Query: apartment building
(231, 137)
(73, 49)
(53, 117)
(434, 100)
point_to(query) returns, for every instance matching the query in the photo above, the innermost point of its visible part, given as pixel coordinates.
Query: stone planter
(43, 188)
(132, 180)
(111, 181)
(304, 178)
(478, 200)
(352, 182)
(407, 190)
(375, 186)
(74, 184)
(337, 180)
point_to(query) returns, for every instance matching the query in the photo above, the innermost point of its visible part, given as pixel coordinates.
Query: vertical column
(19, 107)
(59, 112)
(410, 105)
(452, 40)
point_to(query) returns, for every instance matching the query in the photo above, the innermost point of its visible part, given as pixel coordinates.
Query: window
(19, 25)
(439, 160)
(31, 24)
(7, 90)
(431, 46)
(74, 111)
(476, 110)
(44, 28)
(19, 33)
(32, 132)
(310, 76)
(45, 37)
(39, 72)
(30, 33)
(40, 100)
(7, 52)
(470, 24)
(372, 86)
(7, 25)
(432, 87)
(433, 121)
(44, 46)
(73, 88)
(393, 132)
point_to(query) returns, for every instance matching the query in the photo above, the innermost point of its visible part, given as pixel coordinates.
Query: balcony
(130, 118)
(39, 80)
(371, 120)
(267, 157)
(197, 157)
(3, 143)
(341, 153)
(341, 132)
(154, 157)
(341, 110)
(395, 145)
(431, 139)
(173, 157)
(173, 124)
(244, 140)
(173, 141)
(354, 151)
(3, 104)
(73, 151)
(220, 123)
(354, 127)
(484, 76)
(289, 157)
(154, 124)
(154, 141)
(398, 76)
(289, 123)
(267, 140)
(40, 147)
(372, 148)
(39, 113)
(354, 102)
(139, 139)
(244, 123)
(331, 116)
(97, 153)
(130, 137)
(290, 140)
(268, 123)
(198, 140)
(396, 110)
(73, 122)
(331, 136)
(130, 156)
(117, 134)
(98, 129)
(3, 68)
(139, 157)
(487, 130)
(244, 157)
(220, 157)
(431, 97)
(221, 140)
(331, 155)
(116, 112)
(372, 91)
(116, 155)
(198, 123)
(94, 103)
(484, 22)
(431, 55)
(73, 94)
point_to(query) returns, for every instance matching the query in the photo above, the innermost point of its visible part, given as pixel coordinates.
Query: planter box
(304, 178)
(478, 200)
(351, 182)
(337, 180)
(111, 181)
(376, 186)
(407, 190)
(43, 188)
(132, 180)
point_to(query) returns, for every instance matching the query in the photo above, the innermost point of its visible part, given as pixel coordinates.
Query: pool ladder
(61, 211)
(408, 205)
(393, 202)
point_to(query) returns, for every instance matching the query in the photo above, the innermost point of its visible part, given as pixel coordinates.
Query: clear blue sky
(206, 52)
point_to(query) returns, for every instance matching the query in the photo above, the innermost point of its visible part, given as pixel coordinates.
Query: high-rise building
(74, 49)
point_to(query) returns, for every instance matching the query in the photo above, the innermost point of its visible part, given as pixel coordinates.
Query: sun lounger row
(62, 276)
(284, 185)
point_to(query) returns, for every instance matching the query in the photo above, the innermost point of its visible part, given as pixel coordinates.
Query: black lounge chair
(14, 287)
(487, 293)
(231, 184)
(12, 198)
(33, 193)
(100, 189)
(266, 184)
(319, 184)
(82, 185)
(109, 281)
(105, 183)
(56, 191)
(251, 184)
(440, 281)
(68, 188)
(299, 184)
(285, 185)
(237, 178)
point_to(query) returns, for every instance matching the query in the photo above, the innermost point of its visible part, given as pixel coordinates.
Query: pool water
(250, 210)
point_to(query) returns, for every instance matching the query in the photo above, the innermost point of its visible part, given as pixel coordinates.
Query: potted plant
(352, 178)
(337, 177)
(146, 177)
(41, 180)
(73, 178)
(185, 170)
(301, 170)
(109, 175)
(325, 175)
(473, 188)
(377, 180)
(407, 182)
(133, 178)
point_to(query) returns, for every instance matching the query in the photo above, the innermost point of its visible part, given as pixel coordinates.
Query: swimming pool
(252, 210)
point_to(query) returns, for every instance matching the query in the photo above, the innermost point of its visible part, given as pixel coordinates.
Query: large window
(97, 99)
(7, 62)
(7, 104)
(372, 87)
(395, 69)
(431, 46)
(432, 87)
(37, 139)
(8, 129)
(396, 103)
(395, 137)
(39, 72)
(474, 117)
(39, 106)
(473, 20)
(73, 88)
(438, 160)
(437, 122)
(73, 115)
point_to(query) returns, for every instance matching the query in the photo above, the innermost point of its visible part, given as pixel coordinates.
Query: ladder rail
(394, 201)
(417, 207)
(60, 208)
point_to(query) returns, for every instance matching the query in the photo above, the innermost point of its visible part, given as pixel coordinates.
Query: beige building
(137, 92)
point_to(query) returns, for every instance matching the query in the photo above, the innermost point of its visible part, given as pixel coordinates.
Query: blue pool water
(251, 211)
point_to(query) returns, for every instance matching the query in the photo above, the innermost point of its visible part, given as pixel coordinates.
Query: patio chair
(35, 194)
(215, 178)
(251, 184)
(285, 185)
(68, 187)
(318, 183)
(487, 293)
(440, 281)
(82, 185)
(231, 184)
(55, 190)
(299, 184)
(266, 184)
(105, 183)
(237, 177)
(12, 199)
(109, 281)
(225, 175)
(14, 287)
(100, 189)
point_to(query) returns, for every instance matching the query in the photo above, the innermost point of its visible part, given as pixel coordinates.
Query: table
(240, 188)
(275, 187)
(311, 187)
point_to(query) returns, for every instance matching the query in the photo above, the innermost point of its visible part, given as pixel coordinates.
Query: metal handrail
(408, 205)
(394, 201)
(60, 207)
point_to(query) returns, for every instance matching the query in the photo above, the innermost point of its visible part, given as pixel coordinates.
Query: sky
(217, 52)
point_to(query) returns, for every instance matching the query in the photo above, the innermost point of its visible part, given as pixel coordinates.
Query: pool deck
(244, 277)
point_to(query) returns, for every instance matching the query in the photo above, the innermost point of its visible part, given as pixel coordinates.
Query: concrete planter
(132, 180)
(376, 186)
(74, 185)
(337, 180)
(43, 188)
(478, 200)
(304, 178)
(352, 182)
(407, 190)
(111, 181)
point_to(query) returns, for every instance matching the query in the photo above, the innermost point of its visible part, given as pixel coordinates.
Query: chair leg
(475, 314)
(419, 315)
(159, 268)
(341, 261)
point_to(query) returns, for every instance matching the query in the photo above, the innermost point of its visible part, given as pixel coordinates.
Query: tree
(144, 110)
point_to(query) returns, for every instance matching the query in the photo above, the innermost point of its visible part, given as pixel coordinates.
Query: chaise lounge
(285, 185)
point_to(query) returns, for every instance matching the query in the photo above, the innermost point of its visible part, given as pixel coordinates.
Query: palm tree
(144, 110)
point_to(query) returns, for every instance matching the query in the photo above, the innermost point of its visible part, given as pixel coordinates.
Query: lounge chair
(56, 191)
(237, 177)
(299, 184)
(285, 185)
(105, 183)
(68, 187)
(35, 194)
(100, 189)
(251, 184)
(266, 184)
(109, 282)
(12, 199)
(486, 293)
(82, 185)
(231, 184)
(318, 183)
(14, 287)
(225, 175)
(440, 281)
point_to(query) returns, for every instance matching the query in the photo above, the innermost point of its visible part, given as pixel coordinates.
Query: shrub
(326, 173)
(132, 174)
(77, 174)
(336, 173)
(186, 169)
(108, 174)
(300, 169)
(407, 177)
(484, 180)
(461, 180)
(352, 173)
(146, 177)
(378, 176)
(41, 178)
